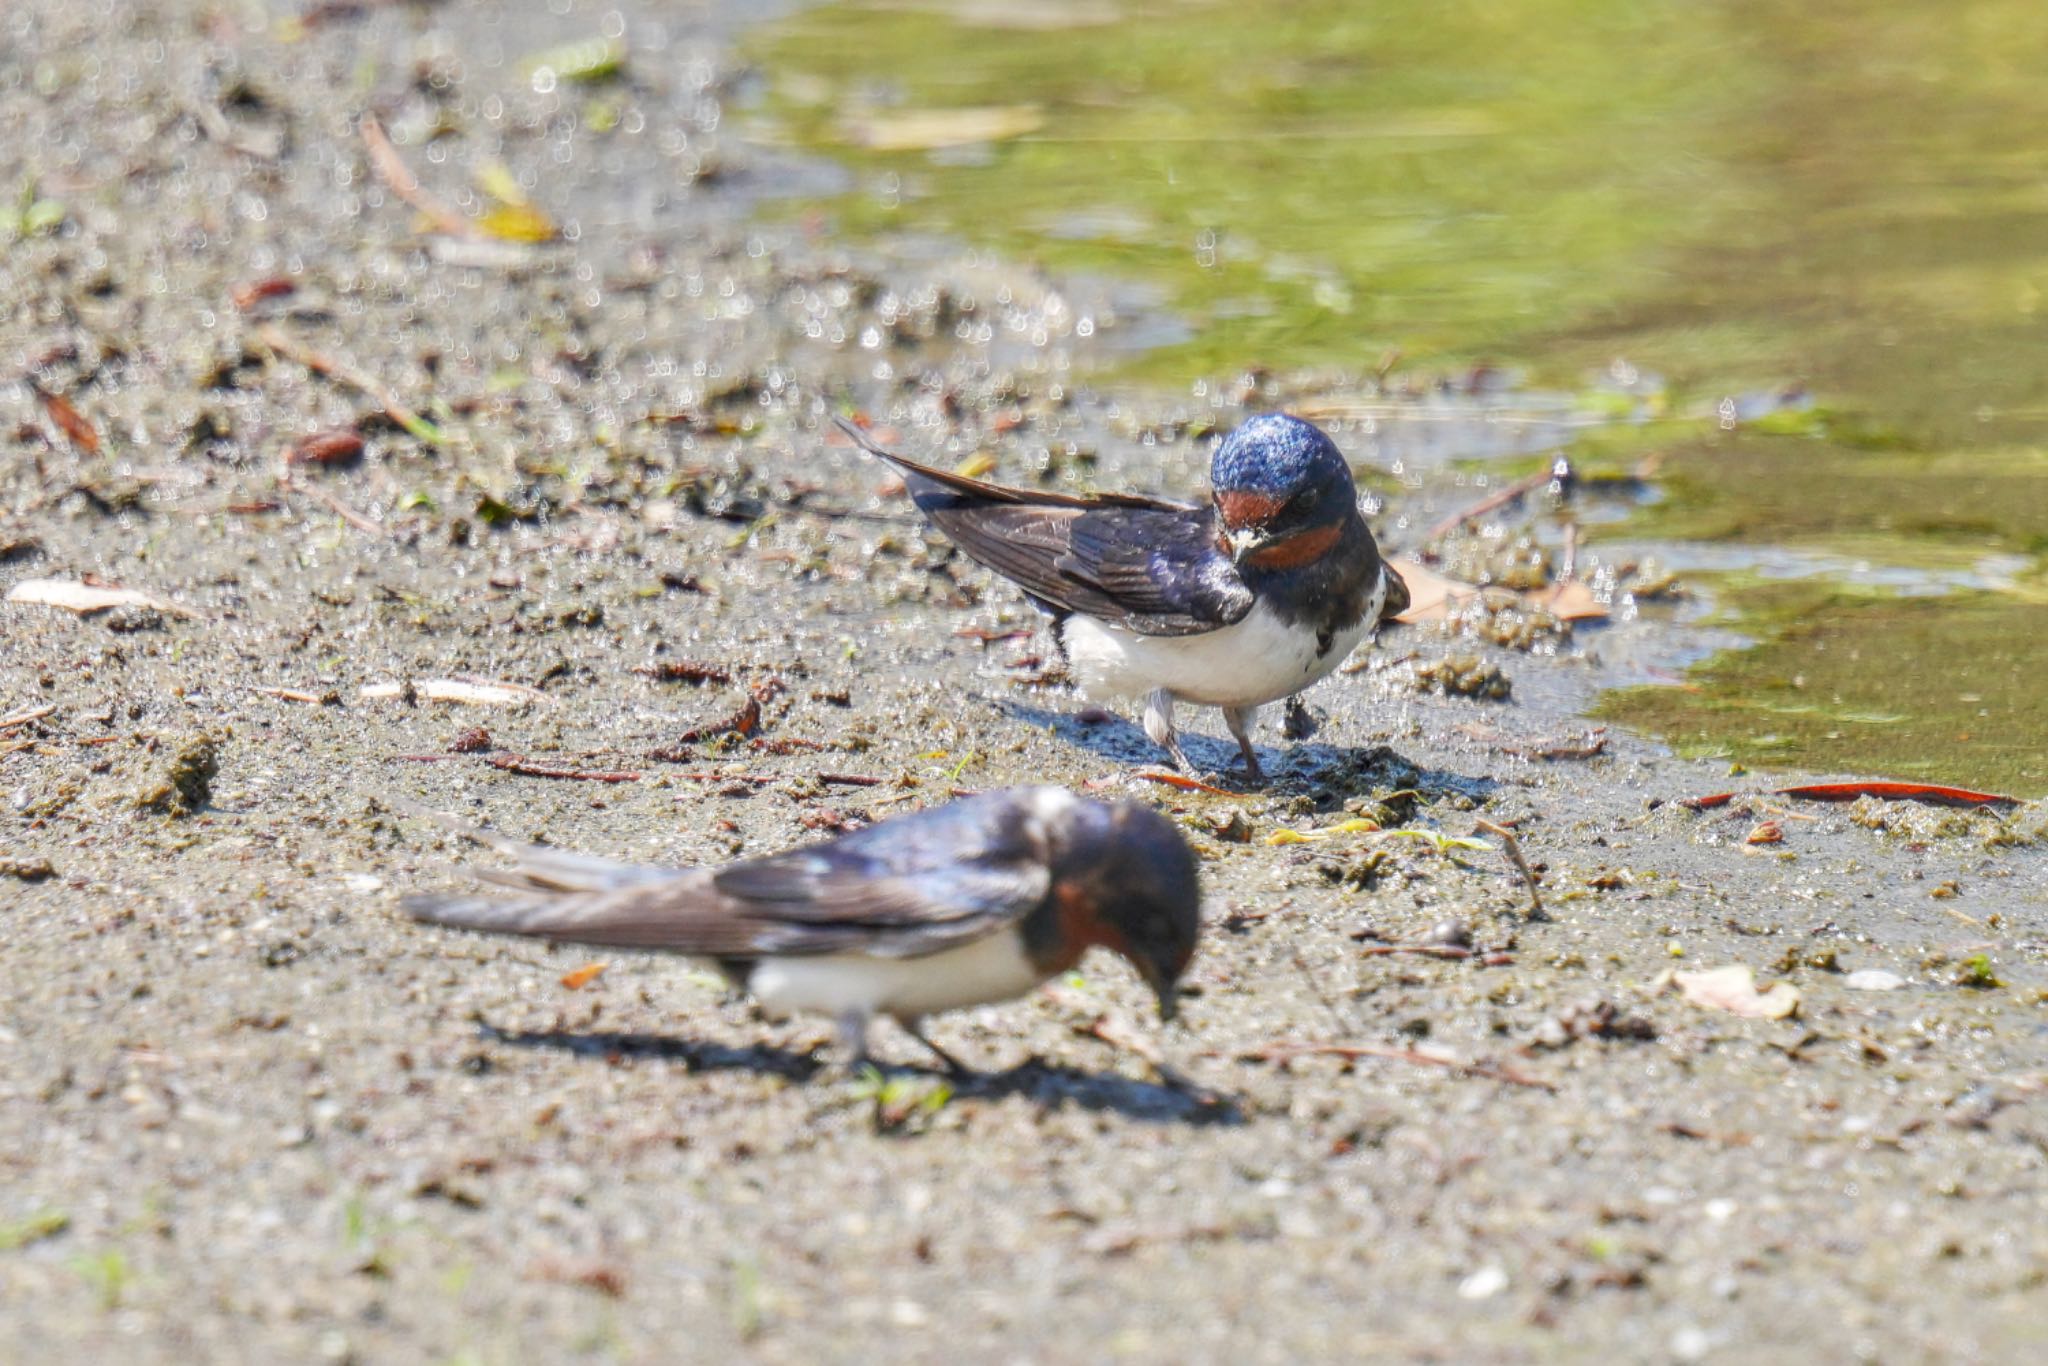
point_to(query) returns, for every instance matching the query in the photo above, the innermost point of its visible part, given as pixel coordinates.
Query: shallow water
(1735, 199)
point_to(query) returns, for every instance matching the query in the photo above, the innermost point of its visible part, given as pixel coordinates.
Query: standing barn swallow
(961, 905)
(1243, 602)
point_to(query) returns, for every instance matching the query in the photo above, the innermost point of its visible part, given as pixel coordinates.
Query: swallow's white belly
(1258, 659)
(992, 968)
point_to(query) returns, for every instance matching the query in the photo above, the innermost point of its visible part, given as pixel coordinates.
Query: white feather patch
(992, 968)
(1257, 659)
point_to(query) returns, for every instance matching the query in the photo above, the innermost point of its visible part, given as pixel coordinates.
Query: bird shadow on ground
(1049, 1085)
(1053, 1086)
(1299, 767)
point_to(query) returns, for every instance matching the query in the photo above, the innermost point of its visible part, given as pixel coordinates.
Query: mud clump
(185, 783)
(1464, 675)
(26, 869)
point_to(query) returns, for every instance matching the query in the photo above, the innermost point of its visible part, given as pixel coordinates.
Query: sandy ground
(251, 1113)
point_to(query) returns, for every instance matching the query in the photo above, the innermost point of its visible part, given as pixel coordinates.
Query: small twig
(292, 695)
(1372, 663)
(1514, 848)
(22, 718)
(512, 763)
(1592, 745)
(359, 521)
(1424, 950)
(393, 171)
(1316, 989)
(320, 363)
(1284, 1050)
(1558, 471)
(849, 779)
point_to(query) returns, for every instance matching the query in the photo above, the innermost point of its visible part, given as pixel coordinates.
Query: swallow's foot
(956, 1068)
(1296, 723)
(1239, 720)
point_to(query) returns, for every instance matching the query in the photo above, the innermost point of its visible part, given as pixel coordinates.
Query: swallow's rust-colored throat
(1292, 552)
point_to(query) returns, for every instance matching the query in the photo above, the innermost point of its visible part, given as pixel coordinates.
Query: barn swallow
(1247, 600)
(961, 905)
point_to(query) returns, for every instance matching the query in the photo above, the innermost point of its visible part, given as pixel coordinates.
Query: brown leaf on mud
(578, 978)
(1769, 832)
(1433, 597)
(88, 598)
(1734, 989)
(1568, 601)
(336, 446)
(77, 429)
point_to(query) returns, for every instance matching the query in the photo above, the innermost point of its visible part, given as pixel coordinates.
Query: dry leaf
(1568, 601)
(87, 598)
(336, 446)
(1734, 989)
(472, 692)
(916, 130)
(76, 428)
(1431, 596)
(518, 223)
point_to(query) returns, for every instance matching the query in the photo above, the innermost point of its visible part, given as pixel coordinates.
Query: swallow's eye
(1306, 500)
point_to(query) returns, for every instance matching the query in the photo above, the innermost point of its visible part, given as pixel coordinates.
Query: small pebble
(1873, 979)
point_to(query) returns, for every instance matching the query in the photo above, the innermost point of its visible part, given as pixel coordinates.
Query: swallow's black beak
(1245, 542)
(1168, 994)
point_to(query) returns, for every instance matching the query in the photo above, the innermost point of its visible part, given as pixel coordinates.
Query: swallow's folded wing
(913, 886)
(1144, 564)
(916, 886)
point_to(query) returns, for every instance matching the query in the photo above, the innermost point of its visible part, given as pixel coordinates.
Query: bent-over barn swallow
(961, 905)
(1245, 601)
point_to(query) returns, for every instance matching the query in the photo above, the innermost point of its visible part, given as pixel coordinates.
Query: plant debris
(1932, 793)
(1733, 988)
(513, 763)
(88, 598)
(336, 446)
(73, 424)
(474, 692)
(185, 782)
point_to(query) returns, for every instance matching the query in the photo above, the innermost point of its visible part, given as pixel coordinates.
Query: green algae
(1928, 688)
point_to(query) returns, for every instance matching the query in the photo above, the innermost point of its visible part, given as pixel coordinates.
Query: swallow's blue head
(1283, 490)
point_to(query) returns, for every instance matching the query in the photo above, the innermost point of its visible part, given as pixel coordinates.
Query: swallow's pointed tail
(567, 895)
(541, 868)
(642, 916)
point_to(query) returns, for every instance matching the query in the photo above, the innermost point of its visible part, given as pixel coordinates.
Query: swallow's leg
(853, 1033)
(914, 1027)
(1159, 725)
(1239, 719)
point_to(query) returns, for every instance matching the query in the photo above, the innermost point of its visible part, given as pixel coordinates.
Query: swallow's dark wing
(913, 886)
(1145, 564)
